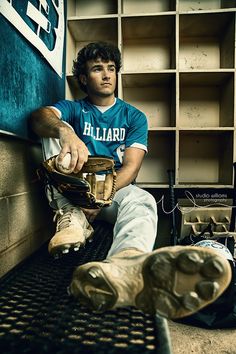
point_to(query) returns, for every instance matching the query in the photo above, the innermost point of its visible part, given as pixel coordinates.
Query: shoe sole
(179, 283)
(61, 249)
(176, 283)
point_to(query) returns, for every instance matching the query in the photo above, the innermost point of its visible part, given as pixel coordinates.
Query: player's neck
(102, 101)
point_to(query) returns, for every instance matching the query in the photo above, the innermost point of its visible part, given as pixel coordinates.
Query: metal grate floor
(38, 316)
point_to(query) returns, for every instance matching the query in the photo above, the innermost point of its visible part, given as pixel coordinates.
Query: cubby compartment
(205, 158)
(92, 7)
(83, 31)
(206, 41)
(148, 43)
(198, 5)
(206, 100)
(160, 158)
(147, 6)
(154, 94)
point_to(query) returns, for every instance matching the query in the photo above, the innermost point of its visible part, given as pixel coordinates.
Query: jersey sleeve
(137, 135)
(66, 109)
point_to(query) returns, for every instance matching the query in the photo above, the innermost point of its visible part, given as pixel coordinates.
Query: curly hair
(93, 51)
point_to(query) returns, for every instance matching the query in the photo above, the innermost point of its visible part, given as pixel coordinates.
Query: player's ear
(83, 79)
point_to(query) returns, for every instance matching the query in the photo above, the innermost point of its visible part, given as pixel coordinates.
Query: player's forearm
(125, 176)
(46, 123)
(132, 161)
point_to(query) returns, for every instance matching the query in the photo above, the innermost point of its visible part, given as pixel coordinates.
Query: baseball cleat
(172, 281)
(72, 231)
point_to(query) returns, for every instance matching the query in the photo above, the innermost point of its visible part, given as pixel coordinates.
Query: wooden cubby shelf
(147, 6)
(89, 8)
(160, 158)
(206, 100)
(154, 95)
(205, 5)
(179, 68)
(148, 43)
(206, 41)
(205, 151)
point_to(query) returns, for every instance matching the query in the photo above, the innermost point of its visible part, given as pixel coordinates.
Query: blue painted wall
(27, 81)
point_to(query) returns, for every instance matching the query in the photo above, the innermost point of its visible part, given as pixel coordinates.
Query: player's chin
(107, 88)
(106, 93)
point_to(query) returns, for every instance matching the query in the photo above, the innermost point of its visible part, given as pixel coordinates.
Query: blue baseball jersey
(108, 133)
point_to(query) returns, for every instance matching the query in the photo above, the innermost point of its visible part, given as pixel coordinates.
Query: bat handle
(234, 170)
(233, 213)
(171, 177)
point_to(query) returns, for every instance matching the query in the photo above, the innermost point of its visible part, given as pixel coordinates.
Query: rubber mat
(38, 316)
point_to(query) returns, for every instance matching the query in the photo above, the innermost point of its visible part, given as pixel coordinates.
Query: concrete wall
(27, 82)
(25, 218)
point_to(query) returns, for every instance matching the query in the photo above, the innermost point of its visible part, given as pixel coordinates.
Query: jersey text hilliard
(104, 134)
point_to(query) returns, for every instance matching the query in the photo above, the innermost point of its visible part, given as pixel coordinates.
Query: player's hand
(72, 144)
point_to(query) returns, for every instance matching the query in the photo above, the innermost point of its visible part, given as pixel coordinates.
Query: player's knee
(142, 196)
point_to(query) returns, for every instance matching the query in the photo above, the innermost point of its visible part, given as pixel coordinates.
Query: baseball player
(174, 281)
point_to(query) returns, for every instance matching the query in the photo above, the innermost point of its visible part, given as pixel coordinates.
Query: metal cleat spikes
(94, 273)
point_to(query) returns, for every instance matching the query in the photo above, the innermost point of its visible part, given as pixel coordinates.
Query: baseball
(64, 165)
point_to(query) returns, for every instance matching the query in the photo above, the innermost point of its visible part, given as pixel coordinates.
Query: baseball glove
(92, 187)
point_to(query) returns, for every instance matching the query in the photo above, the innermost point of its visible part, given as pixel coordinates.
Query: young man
(174, 281)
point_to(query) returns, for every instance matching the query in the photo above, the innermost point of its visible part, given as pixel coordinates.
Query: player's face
(101, 78)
